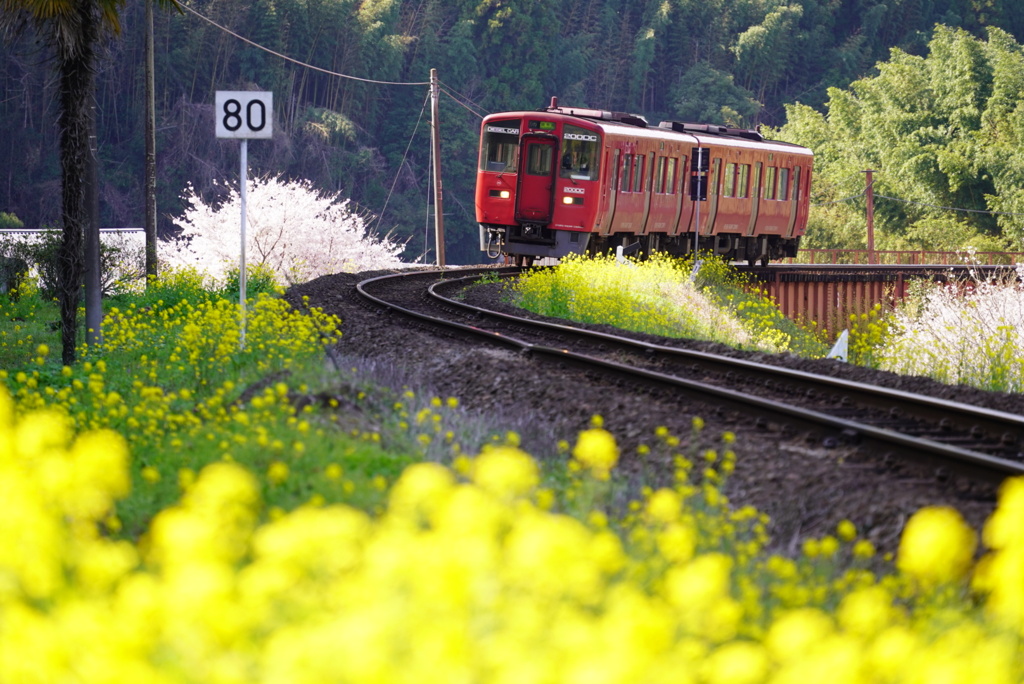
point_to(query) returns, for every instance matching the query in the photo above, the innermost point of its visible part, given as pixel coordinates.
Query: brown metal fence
(829, 294)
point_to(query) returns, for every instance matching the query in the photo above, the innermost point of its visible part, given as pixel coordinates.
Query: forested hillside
(727, 61)
(943, 134)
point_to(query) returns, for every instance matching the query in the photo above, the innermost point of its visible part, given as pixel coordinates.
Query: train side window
(670, 176)
(659, 176)
(729, 181)
(796, 183)
(769, 183)
(783, 184)
(743, 180)
(627, 161)
(638, 173)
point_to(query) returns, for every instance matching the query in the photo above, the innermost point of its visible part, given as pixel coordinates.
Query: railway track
(946, 435)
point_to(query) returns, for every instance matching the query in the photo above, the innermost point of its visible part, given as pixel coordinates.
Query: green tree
(764, 52)
(705, 94)
(942, 133)
(72, 29)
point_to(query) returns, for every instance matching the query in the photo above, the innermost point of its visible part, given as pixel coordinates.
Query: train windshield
(580, 153)
(500, 148)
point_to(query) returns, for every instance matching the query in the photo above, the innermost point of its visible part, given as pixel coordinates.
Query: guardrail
(39, 231)
(904, 257)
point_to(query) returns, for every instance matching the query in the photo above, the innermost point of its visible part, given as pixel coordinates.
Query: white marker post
(244, 114)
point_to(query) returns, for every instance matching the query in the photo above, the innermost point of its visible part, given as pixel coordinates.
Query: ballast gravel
(805, 484)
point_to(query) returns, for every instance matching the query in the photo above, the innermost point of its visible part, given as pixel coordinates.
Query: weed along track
(815, 441)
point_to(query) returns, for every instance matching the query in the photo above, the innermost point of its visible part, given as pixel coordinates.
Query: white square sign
(244, 114)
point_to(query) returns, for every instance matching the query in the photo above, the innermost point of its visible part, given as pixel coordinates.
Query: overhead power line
(920, 204)
(295, 61)
(380, 217)
(458, 97)
(462, 100)
(847, 199)
(936, 206)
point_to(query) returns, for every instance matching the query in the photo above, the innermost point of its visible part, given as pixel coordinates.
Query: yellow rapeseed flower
(597, 451)
(277, 472)
(505, 472)
(937, 546)
(846, 530)
(739, 662)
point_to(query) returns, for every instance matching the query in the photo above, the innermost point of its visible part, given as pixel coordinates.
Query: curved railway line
(946, 435)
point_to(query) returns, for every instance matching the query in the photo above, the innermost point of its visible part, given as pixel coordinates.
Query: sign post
(244, 114)
(698, 193)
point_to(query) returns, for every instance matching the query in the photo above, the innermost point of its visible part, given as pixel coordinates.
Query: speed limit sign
(244, 114)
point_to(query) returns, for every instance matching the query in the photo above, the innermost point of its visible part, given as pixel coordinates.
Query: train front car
(561, 181)
(537, 184)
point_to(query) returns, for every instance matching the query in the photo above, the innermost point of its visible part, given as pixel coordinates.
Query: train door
(755, 198)
(794, 208)
(684, 209)
(664, 202)
(611, 187)
(713, 193)
(535, 198)
(647, 189)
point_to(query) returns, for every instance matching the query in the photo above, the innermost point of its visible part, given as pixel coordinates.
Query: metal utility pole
(150, 148)
(93, 277)
(869, 193)
(435, 137)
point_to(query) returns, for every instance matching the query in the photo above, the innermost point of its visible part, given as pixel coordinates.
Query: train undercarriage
(522, 244)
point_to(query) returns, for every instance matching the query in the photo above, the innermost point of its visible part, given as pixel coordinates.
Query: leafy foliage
(665, 296)
(122, 260)
(715, 60)
(10, 221)
(940, 131)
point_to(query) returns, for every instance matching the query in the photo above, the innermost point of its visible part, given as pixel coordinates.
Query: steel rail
(1005, 428)
(971, 462)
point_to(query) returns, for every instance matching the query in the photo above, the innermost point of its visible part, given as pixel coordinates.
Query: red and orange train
(564, 180)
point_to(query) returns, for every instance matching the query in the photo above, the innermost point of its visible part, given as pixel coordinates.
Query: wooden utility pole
(150, 183)
(869, 193)
(435, 136)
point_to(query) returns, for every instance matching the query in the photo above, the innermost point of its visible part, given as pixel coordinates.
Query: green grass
(26, 321)
(173, 379)
(496, 570)
(663, 296)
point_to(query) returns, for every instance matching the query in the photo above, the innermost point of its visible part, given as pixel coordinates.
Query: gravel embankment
(804, 486)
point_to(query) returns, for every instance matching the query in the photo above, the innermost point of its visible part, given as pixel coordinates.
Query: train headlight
(570, 199)
(503, 194)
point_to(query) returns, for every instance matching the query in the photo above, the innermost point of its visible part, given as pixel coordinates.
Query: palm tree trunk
(74, 123)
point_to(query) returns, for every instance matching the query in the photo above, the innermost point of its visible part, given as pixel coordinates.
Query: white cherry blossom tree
(294, 229)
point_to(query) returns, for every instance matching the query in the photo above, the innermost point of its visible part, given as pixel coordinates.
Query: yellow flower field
(163, 524)
(464, 576)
